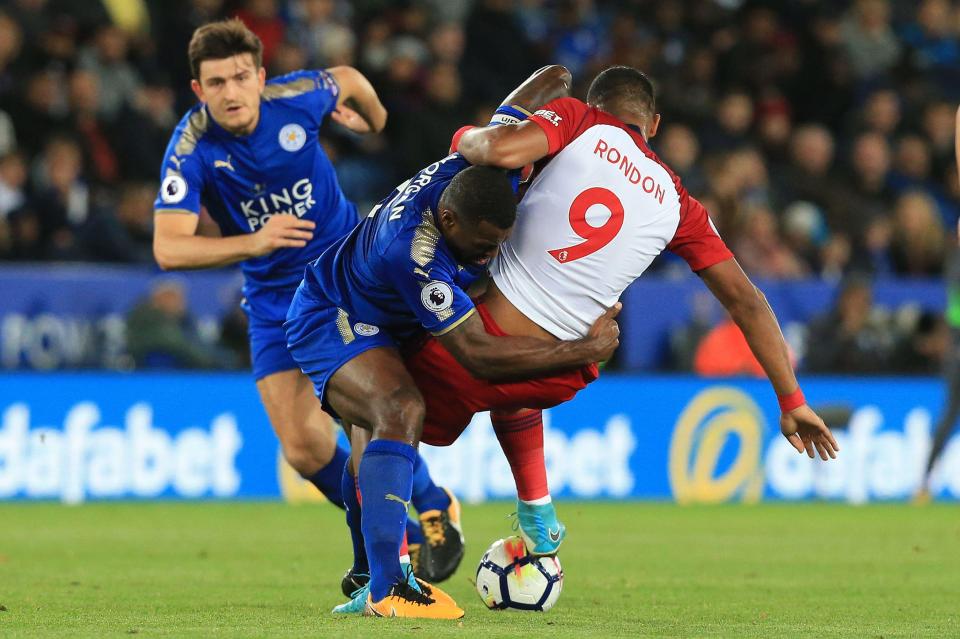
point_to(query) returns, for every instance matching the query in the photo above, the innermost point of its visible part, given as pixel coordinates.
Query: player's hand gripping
(282, 231)
(604, 335)
(805, 431)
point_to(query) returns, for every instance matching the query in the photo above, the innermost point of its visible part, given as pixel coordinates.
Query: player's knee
(300, 458)
(399, 415)
(307, 457)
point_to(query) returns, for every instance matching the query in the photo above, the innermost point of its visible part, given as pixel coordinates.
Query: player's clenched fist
(605, 333)
(282, 231)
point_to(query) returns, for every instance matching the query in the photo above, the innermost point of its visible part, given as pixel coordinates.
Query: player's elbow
(485, 366)
(746, 301)
(482, 370)
(166, 260)
(356, 87)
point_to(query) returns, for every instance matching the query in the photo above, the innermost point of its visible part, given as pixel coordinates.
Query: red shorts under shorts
(452, 395)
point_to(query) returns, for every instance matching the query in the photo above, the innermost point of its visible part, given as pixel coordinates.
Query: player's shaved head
(481, 194)
(477, 212)
(223, 39)
(623, 89)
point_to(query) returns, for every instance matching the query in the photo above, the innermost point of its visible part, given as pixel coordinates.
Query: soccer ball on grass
(509, 577)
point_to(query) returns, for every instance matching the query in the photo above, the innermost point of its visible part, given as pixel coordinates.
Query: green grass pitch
(632, 570)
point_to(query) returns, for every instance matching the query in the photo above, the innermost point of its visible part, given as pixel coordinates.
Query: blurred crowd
(818, 133)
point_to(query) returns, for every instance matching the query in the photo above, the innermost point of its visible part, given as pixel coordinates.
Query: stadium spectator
(142, 129)
(680, 149)
(882, 113)
(106, 58)
(918, 240)
(724, 352)
(62, 197)
(761, 251)
(939, 129)
(10, 42)
(13, 181)
(325, 41)
(161, 334)
(263, 18)
(99, 156)
(869, 39)
(870, 162)
(495, 42)
(38, 110)
(932, 40)
(692, 91)
(731, 128)
(447, 42)
(853, 337)
(422, 135)
(123, 233)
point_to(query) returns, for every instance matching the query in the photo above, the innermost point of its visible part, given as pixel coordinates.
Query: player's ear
(262, 77)
(654, 126)
(448, 219)
(197, 89)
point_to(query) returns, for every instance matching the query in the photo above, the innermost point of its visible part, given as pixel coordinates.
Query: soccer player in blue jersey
(404, 269)
(249, 152)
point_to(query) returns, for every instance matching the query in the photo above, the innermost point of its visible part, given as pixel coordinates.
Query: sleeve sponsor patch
(549, 116)
(436, 296)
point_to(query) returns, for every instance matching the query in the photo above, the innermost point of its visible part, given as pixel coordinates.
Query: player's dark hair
(482, 193)
(223, 39)
(623, 87)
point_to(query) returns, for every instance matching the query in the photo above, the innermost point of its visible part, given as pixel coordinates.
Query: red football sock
(521, 437)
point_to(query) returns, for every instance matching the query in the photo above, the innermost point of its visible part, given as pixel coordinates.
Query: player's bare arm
(748, 307)
(507, 147)
(511, 357)
(176, 246)
(358, 106)
(545, 84)
(512, 146)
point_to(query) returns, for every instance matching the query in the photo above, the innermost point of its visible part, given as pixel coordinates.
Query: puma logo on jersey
(224, 164)
(176, 161)
(392, 497)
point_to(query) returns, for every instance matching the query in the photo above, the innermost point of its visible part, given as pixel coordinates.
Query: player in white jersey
(601, 206)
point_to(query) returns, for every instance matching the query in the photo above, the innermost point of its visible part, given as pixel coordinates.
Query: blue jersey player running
(404, 269)
(249, 152)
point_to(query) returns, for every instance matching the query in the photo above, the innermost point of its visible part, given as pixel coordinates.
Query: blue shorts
(268, 341)
(322, 338)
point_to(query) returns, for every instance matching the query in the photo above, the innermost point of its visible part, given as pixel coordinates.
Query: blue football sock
(426, 494)
(328, 478)
(349, 490)
(414, 531)
(386, 482)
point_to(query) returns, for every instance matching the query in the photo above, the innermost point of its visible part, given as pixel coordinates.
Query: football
(510, 578)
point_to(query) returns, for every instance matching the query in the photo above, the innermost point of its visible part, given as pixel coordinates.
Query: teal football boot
(541, 530)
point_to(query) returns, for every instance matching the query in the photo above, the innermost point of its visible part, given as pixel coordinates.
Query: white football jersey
(593, 219)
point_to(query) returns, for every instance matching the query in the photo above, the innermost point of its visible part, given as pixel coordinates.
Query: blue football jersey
(394, 270)
(279, 168)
